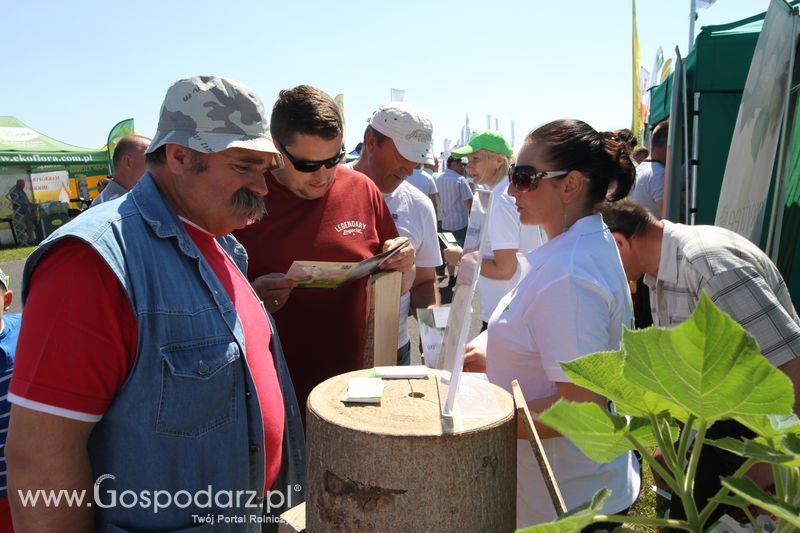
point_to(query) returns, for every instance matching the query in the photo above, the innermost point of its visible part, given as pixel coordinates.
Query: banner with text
(748, 171)
(50, 186)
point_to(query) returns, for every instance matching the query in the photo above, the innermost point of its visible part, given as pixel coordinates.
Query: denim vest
(187, 420)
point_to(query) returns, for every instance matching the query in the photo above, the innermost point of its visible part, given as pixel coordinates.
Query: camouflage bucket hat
(210, 114)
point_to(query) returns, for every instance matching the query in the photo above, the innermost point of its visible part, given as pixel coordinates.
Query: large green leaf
(748, 490)
(602, 373)
(770, 426)
(576, 519)
(596, 432)
(757, 449)
(708, 365)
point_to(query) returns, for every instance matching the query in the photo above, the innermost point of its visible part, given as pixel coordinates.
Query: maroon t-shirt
(322, 330)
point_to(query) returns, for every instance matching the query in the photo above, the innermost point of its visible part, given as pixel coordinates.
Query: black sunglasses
(526, 178)
(311, 166)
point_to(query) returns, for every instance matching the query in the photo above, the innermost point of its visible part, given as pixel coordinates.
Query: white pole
(692, 19)
(779, 194)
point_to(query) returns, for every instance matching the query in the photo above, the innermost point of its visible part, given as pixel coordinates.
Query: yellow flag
(636, 122)
(666, 70)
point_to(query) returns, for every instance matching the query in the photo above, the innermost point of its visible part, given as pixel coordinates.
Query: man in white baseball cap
(410, 135)
(397, 140)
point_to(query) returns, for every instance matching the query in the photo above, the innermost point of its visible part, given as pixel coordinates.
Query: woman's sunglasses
(311, 166)
(526, 178)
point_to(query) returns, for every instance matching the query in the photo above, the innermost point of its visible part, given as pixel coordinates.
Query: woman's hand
(475, 359)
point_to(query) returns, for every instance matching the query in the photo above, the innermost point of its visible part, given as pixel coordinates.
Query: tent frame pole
(686, 149)
(694, 161)
(779, 193)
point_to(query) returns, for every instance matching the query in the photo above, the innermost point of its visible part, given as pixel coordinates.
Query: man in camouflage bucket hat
(181, 397)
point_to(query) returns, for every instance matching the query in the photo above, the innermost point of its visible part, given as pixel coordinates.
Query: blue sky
(73, 69)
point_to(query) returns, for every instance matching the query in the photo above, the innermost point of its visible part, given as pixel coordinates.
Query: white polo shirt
(572, 300)
(414, 217)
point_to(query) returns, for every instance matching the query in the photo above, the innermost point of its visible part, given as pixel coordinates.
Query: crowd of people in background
(182, 356)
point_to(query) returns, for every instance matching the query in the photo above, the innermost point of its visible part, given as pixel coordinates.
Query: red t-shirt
(322, 330)
(74, 367)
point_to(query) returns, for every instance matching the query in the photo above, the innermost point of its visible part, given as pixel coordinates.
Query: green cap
(484, 140)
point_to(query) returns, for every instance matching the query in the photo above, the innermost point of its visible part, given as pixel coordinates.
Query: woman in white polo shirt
(572, 300)
(488, 155)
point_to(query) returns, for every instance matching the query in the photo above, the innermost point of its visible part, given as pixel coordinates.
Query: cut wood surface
(401, 466)
(294, 520)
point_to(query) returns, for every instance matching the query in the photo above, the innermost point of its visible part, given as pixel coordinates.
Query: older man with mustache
(181, 401)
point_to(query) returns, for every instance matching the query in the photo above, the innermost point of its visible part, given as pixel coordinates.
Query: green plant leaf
(748, 490)
(709, 366)
(757, 449)
(771, 425)
(602, 373)
(596, 432)
(730, 499)
(574, 520)
(791, 443)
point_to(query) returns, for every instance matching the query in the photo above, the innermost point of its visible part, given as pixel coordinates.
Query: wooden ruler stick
(536, 444)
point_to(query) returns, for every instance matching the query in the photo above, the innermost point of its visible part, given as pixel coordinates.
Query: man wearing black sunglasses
(317, 210)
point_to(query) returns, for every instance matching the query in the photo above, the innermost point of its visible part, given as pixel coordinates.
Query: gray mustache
(250, 203)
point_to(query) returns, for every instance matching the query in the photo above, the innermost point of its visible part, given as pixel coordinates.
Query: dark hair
(660, 133)
(157, 157)
(626, 216)
(600, 156)
(380, 138)
(625, 135)
(306, 110)
(641, 150)
(127, 145)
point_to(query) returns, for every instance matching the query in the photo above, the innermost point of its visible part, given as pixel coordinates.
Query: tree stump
(401, 466)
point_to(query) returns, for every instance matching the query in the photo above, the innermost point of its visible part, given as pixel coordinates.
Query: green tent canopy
(717, 70)
(23, 146)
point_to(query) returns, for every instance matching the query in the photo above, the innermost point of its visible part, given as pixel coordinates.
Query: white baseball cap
(409, 128)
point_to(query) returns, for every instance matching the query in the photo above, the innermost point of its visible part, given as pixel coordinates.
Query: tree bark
(401, 466)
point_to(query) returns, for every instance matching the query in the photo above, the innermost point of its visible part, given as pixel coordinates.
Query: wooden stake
(536, 444)
(384, 319)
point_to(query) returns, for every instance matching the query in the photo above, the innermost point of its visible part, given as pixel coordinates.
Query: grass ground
(646, 505)
(15, 254)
